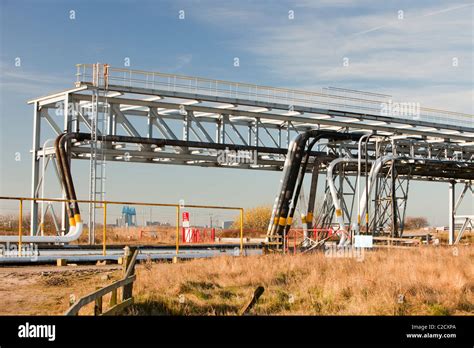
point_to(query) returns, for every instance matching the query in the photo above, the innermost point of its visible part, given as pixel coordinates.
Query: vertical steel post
(186, 125)
(367, 185)
(288, 134)
(452, 212)
(394, 201)
(177, 229)
(20, 227)
(150, 125)
(241, 231)
(377, 201)
(66, 128)
(218, 129)
(249, 133)
(279, 136)
(35, 168)
(223, 134)
(104, 231)
(257, 133)
(109, 129)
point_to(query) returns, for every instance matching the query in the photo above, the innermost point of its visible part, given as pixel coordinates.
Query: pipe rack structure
(390, 173)
(158, 118)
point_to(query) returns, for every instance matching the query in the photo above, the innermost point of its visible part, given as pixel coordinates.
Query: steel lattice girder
(433, 151)
(415, 147)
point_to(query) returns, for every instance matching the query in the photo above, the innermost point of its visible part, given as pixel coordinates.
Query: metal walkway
(242, 116)
(213, 123)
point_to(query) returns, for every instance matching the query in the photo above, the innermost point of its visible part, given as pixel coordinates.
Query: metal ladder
(97, 173)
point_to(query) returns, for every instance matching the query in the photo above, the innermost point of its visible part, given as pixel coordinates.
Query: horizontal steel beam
(286, 118)
(270, 105)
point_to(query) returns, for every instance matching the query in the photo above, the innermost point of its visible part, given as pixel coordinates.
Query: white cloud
(24, 81)
(182, 61)
(384, 52)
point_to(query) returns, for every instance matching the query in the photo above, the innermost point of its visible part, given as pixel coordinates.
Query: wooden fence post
(129, 269)
(113, 298)
(256, 295)
(125, 259)
(98, 306)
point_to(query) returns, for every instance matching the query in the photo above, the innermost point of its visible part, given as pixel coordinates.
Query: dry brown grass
(421, 281)
(428, 280)
(45, 290)
(151, 235)
(467, 238)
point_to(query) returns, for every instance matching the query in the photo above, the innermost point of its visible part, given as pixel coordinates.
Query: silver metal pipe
(73, 234)
(359, 169)
(374, 171)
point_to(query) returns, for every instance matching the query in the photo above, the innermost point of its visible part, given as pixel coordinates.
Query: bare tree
(415, 222)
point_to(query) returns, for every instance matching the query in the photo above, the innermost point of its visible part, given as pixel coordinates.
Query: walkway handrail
(191, 84)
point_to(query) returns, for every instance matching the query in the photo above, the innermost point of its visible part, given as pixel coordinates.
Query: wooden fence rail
(126, 283)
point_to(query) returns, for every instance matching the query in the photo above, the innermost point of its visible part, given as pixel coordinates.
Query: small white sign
(185, 219)
(363, 241)
(188, 235)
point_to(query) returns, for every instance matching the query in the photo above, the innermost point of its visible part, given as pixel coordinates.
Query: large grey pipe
(278, 222)
(374, 171)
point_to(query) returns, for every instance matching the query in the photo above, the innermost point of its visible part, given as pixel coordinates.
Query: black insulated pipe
(63, 178)
(278, 223)
(67, 173)
(299, 184)
(290, 172)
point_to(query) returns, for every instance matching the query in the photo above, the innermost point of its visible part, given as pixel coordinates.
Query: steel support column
(452, 202)
(35, 167)
(186, 126)
(66, 128)
(257, 135)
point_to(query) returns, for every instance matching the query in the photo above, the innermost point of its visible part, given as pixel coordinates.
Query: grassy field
(419, 281)
(415, 281)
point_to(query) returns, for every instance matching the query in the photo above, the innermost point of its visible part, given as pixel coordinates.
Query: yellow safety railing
(20, 226)
(106, 203)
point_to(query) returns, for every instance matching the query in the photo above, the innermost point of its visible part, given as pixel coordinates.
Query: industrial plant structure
(368, 147)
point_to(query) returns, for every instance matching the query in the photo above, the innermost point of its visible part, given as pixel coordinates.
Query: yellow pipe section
(77, 218)
(241, 231)
(20, 227)
(177, 229)
(303, 219)
(104, 230)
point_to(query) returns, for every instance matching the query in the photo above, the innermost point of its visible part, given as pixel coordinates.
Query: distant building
(129, 217)
(157, 223)
(227, 224)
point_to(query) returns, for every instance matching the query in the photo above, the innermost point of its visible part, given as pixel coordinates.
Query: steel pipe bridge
(148, 117)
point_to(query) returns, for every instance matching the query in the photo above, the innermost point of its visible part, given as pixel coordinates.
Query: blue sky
(409, 58)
